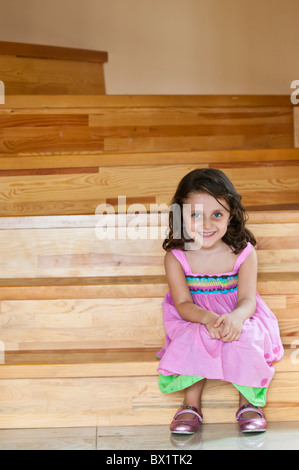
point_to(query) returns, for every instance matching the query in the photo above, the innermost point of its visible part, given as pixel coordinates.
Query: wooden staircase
(81, 318)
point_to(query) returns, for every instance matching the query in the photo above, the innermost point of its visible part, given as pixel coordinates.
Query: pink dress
(189, 349)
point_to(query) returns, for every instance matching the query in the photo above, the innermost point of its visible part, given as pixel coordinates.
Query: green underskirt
(170, 383)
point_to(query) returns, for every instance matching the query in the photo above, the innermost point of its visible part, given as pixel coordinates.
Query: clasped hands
(226, 327)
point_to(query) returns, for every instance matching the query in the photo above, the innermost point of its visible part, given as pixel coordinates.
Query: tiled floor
(279, 436)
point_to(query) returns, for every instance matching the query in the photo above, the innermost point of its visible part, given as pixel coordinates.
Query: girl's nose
(206, 223)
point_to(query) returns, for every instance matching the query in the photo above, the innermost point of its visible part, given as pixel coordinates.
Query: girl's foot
(187, 420)
(251, 418)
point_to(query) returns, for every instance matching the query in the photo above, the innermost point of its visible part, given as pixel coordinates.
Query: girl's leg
(193, 397)
(247, 414)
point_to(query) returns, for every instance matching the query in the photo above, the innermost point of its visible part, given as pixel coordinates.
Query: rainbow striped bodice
(212, 284)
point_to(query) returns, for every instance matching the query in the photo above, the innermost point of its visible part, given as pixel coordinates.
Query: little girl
(217, 325)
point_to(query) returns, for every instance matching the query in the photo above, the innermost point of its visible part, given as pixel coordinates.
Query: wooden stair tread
(124, 286)
(149, 101)
(79, 363)
(223, 158)
(83, 287)
(83, 190)
(125, 280)
(256, 216)
(95, 363)
(87, 356)
(274, 207)
(83, 281)
(41, 51)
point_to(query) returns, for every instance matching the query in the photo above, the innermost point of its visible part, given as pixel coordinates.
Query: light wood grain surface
(80, 317)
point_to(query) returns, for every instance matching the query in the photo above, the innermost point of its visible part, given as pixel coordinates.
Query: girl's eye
(217, 215)
(196, 215)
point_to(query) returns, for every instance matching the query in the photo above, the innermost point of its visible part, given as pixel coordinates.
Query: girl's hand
(214, 332)
(231, 327)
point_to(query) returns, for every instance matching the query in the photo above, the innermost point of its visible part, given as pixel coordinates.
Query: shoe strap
(189, 409)
(249, 407)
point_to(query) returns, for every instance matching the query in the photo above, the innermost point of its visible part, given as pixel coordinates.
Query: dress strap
(242, 256)
(181, 257)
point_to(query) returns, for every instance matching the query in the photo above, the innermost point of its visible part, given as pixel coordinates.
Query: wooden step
(100, 363)
(81, 190)
(281, 283)
(126, 124)
(147, 101)
(33, 69)
(79, 363)
(113, 313)
(70, 247)
(65, 390)
(33, 164)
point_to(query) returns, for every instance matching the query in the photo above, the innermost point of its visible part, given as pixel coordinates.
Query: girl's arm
(181, 296)
(247, 281)
(232, 323)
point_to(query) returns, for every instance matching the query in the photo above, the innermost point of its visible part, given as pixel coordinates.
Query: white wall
(171, 46)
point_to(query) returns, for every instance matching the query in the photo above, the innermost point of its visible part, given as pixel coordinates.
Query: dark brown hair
(218, 185)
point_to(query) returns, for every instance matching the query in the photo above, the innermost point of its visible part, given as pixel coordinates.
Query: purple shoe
(251, 425)
(186, 426)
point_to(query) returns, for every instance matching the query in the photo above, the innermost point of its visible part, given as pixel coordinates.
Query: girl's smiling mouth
(207, 234)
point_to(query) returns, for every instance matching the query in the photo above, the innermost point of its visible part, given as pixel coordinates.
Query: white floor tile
(279, 436)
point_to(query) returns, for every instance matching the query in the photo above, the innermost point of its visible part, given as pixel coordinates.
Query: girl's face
(205, 219)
